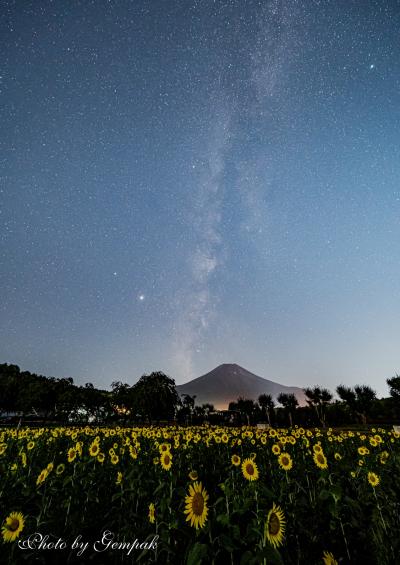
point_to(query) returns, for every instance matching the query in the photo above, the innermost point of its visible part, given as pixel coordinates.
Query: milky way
(190, 183)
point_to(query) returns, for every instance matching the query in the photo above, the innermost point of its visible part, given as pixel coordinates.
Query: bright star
(372, 66)
(141, 297)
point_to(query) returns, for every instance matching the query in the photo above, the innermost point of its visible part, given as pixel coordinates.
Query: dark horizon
(130, 382)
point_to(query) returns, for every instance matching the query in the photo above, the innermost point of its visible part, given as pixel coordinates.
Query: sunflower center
(274, 525)
(321, 458)
(166, 459)
(285, 460)
(198, 504)
(14, 525)
(250, 469)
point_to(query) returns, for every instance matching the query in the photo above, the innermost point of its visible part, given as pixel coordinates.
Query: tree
(359, 400)
(155, 396)
(267, 405)
(247, 407)
(289, 402)
(318, 398)
(188, 402)
(394, 389)
(9, 387)
(121, 398)
(207, 407)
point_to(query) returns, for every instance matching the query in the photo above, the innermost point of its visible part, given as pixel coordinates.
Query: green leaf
(197, 554)
(223, 519)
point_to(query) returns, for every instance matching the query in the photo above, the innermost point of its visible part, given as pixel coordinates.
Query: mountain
(227, 382)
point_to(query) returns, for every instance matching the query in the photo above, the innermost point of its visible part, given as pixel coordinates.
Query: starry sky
(189, 183)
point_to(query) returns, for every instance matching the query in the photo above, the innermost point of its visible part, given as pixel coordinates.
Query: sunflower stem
(380, 511)
(345, 539)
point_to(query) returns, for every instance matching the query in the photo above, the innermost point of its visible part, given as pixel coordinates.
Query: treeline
(28, 397)
(35, 397)
(358, 405)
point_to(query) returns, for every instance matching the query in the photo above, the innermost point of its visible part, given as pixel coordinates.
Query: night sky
(189, 183)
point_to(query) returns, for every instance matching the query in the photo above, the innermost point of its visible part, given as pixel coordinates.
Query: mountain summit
(227, 382)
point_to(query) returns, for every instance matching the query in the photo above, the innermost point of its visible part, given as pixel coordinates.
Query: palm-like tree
(394, 389)
(318, 398)
(247, 407)
(267, 405)
(359, 400)
(289, 402)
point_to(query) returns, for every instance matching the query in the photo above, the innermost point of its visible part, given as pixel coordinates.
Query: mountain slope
(227, 382)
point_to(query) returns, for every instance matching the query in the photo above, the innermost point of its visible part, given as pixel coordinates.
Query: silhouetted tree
(155, 396)
(187, 408)
(267, 405)
(394, 389)
(121, 396)
(207, 407)
(318, 398)
(359, 400)
(289, 402)
(247, 407)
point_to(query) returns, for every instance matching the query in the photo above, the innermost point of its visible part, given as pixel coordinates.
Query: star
(372, 66)
(141, 297)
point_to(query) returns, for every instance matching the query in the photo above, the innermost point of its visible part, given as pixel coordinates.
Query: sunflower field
(199, 495)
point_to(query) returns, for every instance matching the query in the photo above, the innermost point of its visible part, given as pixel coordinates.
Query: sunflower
(94, 449)
(60, 469)
(152, 513)
(101, 457)
(119, 478)
(328, 558)
(71, 454)
(285, 461)
(13, 526)
(166, 460)
(196, 505)
(373, 479)
(235, 460)
(338, 457)
(163, 447)
(320, 460)
(275, 525)
(250, 470)
(42, 477)
(384, 456)
(276, 449)
(193, 476)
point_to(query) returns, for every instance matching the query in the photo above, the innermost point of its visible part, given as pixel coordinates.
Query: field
(199, 495)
